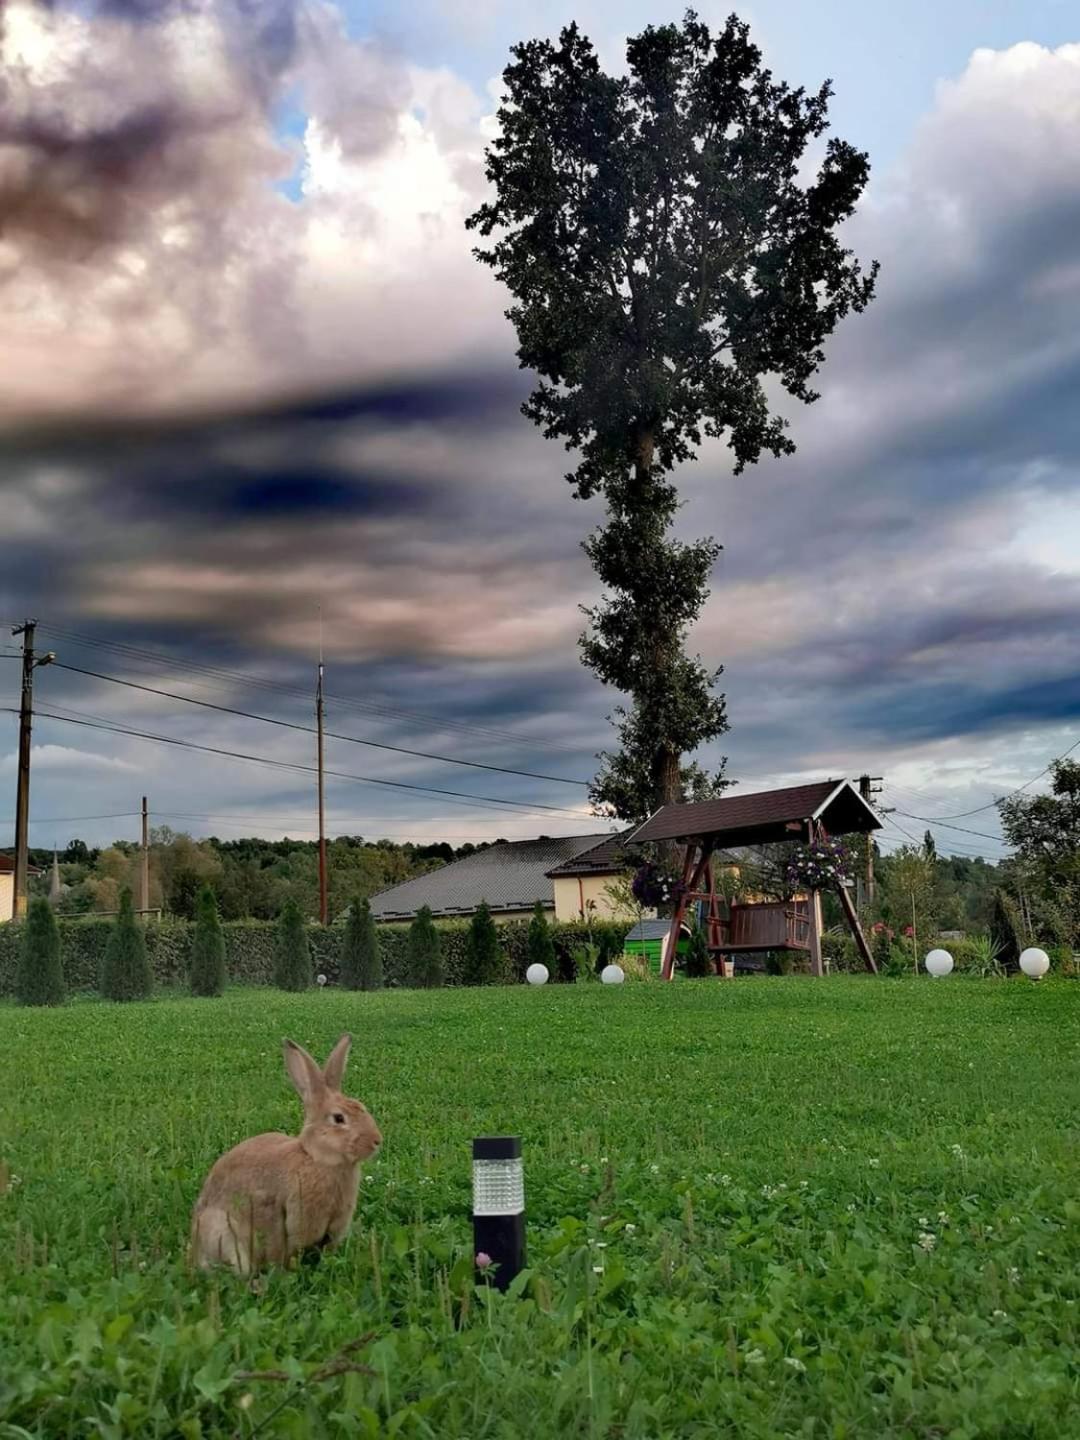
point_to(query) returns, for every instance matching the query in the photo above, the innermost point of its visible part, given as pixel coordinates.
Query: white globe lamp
(612, 975)
(537, 974)
(1034, 963)
(939, 963)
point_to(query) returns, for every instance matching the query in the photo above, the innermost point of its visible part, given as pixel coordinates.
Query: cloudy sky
(251, 369)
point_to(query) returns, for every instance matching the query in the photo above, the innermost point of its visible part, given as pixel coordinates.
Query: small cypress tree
(1005, 930)
(540, 947)
(482, 955)
(361, 959)
(40, 977)
(698, 960)
(125, 971)
(208, 947)
(424, 961)
(292, 961)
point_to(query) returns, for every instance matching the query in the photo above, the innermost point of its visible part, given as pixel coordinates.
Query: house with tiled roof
(511, 877)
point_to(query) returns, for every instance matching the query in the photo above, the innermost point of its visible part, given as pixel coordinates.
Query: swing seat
(765, 925)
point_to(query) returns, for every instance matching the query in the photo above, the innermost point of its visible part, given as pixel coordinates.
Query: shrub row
(250, 950)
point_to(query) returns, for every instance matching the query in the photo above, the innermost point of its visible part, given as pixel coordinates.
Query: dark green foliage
(541, 950)
(698, 960)
(251, 950)
(207, 947)
(483, 960)
(1005, 931)
(40, 977)
(292, 968)
(664, 259)
(424, 966)
(125, 973)
(361, 959)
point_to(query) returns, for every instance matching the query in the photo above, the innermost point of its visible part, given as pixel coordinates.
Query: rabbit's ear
(304, 1073)
(334, 1069)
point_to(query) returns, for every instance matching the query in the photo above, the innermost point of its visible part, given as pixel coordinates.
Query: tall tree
(207, 947)
(40, 976)
(1045, 832)
(361, 961)
(664, 259)
(125, 971)
(292, 961)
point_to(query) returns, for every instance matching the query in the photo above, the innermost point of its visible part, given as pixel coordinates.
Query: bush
(1005, 931)
(540, 950)
(125, 971)
(698, 961)
(292, 970)
(251, 950)
(483, 959)
(361, 961)
(207, 947)
(586, 962)
(40, 978)
(635, 966)
(424, 970)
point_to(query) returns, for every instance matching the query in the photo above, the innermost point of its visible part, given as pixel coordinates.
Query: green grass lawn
(770, 1208)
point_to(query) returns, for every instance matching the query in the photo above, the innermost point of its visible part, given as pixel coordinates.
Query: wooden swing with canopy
(824, 810)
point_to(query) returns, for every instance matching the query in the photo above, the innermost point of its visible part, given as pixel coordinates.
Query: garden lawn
(777, 1207)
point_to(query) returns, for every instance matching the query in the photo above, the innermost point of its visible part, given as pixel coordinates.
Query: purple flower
(483, 1260)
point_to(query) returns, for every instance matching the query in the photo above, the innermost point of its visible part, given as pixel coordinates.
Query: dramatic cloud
(255, 370)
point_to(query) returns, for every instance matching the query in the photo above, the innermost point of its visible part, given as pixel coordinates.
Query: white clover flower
(874, 1163)
(927, 1240)
(755, 1357)
(943, 1218)
(598, 1269)
(655, 1169)
(1014, 1275)
(795, 1363)
(999, 1315)
(630, 1229)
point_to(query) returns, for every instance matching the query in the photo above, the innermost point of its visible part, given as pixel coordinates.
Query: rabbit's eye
(339, 1119)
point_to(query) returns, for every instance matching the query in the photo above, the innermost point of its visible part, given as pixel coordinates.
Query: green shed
(647, 938)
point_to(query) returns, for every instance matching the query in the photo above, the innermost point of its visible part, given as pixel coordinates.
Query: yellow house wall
(573, 893)
(7, 897)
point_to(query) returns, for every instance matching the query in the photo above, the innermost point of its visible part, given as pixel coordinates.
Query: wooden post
(691, 880)
(144, 862)
(856, 930)
(816, 967)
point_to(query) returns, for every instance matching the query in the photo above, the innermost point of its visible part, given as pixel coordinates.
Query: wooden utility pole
(323, 906)
(22, 786)
(144, 862)
(867, 791)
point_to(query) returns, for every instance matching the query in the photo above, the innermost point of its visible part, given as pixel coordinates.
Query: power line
(966, 814)
(310, 730)
(485, 800)
(963, 830)
(224, 677)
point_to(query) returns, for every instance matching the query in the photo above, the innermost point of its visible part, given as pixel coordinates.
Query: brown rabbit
(274, 1195)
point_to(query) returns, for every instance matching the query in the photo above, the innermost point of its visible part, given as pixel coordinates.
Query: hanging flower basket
(652, 886)
(818, 865)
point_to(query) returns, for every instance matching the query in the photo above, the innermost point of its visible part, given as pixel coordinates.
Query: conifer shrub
(207, 947)
(361, 957)
(40, 975)
(425, 968)
(483, 957)
(292, 959)
(125, 971)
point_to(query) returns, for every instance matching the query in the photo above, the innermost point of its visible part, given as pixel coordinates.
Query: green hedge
(249, 950)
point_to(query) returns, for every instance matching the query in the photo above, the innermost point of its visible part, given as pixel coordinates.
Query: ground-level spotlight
(498, 1209)
(1034, 963)
(938, 963)
(537, 974)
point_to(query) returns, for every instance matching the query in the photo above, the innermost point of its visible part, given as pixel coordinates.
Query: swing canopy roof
(766, 817)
